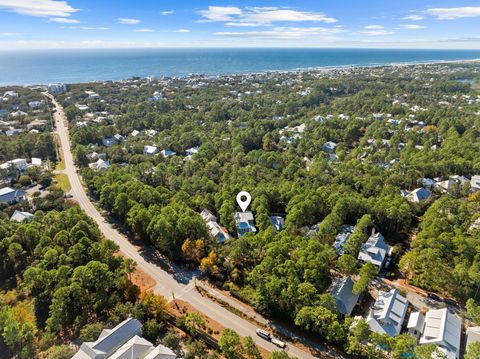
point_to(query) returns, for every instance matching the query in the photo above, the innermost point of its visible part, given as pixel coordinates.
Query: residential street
(180, 285)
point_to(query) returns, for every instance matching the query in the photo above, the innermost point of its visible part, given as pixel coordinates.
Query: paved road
(182, 286)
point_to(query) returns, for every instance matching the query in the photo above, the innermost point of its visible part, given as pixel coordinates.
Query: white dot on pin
(243, 199)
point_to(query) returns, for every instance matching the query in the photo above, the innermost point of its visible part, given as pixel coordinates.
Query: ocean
(75, 66)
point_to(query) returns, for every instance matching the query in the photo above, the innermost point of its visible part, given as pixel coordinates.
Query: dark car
(433, 296)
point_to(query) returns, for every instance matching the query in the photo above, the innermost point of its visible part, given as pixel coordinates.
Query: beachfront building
(57, 88)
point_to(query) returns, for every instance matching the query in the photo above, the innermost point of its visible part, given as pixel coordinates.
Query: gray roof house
(123, 342)
(375, 250)
(341, 290)
(10, 196)
(473, 335)
(388, 313)
(443, 329)
(216, 231)
(475, 183)
(418, 195)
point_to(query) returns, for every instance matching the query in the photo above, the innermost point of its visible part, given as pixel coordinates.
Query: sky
(52, 24)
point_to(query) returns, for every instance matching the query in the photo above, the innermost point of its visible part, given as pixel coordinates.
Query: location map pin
(244, 203)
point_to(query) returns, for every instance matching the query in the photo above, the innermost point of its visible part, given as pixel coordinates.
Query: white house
(150, 150)
(36, 161)
(123, 342)
(388, 313)
(18, 165)
(216, 231)
(415, 324)
(99, 165)
(244, 222)
(443, 329)
(192, 151)
(36, 104)
(375, 250)
(473, 335)
(329, 146)
(475, 183)
(19, 216)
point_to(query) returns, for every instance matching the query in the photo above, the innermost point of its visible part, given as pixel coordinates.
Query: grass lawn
(63, 182)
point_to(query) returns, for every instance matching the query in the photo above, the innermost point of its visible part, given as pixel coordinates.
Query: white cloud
(374, 27)
(260, 16)
(42, 8)
(63, 20)
(92, 42)
(167, 12)
(287, 33)
(182, 30)
(454, 12)
(241, 24)
(220, 13)
(375, 32)
(126, 21)
(413, 17)
(413, 27)
(144, 30)
(86, 27)
(11, 34)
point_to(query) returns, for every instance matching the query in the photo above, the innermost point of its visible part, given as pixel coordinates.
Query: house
(473, 335)
(167, 153)
(92, 95)
(277, 222)
(37, 162)
(192, 151)
(244, 222)
(329, 146)
(123, 341)
(135, 133)
(342, 238)
(81, 107)
(119, 137)
(418, 195)
(475, 183)
(17, 165)
(150, 150)
(445, 186)
(216, 231)
(388, 313)
(151, 133)
(375, 250)
(11, 196)
(57, 88)
(157, 96)
(11, 94)
(341, 290)
(93, 156)
(443, 328)
(415, 324)
(19, 216)
(36, 104)
(18, 113)
(428, 183)
(109, 142)
(99, 165)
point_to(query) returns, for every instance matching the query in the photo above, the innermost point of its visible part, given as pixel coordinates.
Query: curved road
(167, 285)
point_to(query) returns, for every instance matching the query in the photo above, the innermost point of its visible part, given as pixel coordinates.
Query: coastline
(318, 69)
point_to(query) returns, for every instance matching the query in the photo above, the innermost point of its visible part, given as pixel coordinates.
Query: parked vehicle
(279, 343)
(263, 334)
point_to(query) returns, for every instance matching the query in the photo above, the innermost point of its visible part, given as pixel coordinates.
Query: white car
(262, 333)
